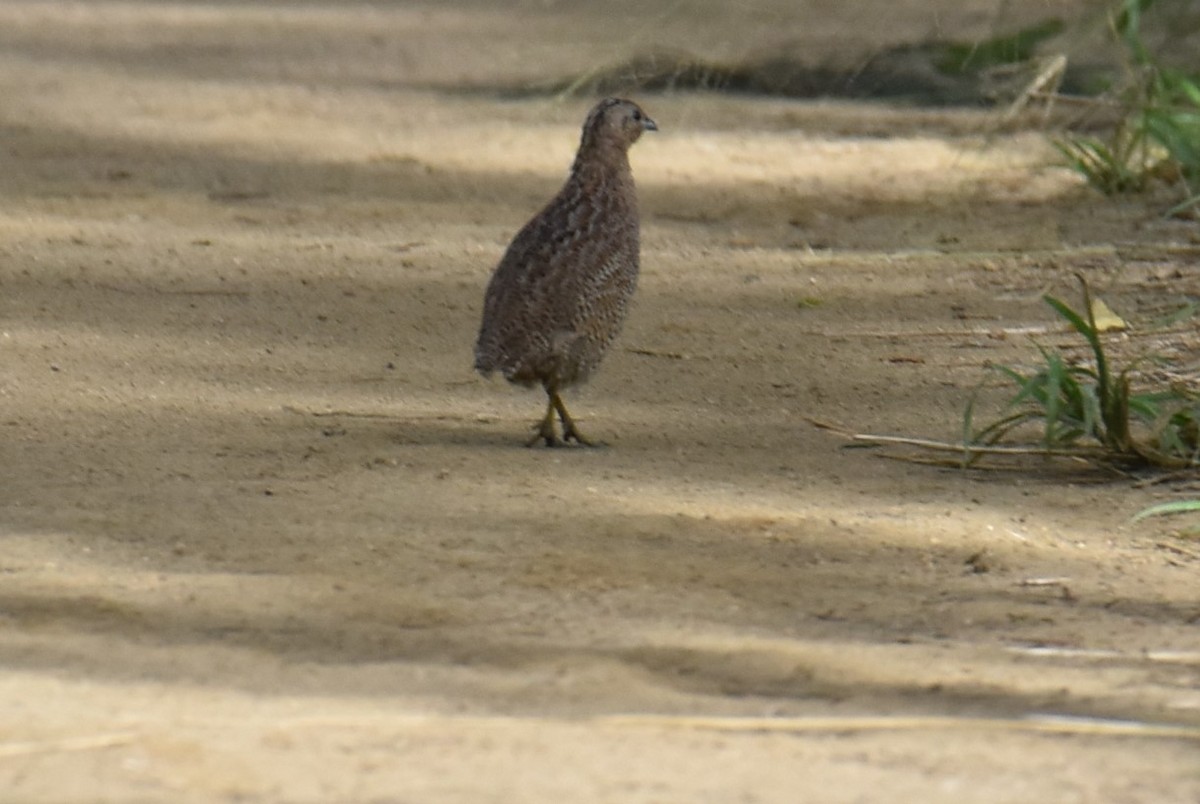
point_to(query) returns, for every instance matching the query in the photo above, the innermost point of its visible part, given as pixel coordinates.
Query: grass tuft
(1094, 406)
(1158, 136)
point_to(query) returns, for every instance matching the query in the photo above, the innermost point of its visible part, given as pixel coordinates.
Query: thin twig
(1043, 581)
(1177, 550)
(993, 332)
(1044, 86)
(1037, 723)
(1077, 100)
(1041, 724)
(953, 463)
(364, 414)
(1170, 477)
(658, 353)
(165, 292)
(970, 449)
(91, 743)
(946, 446)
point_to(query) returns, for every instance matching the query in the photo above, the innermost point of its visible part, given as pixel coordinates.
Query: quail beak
(649, 125)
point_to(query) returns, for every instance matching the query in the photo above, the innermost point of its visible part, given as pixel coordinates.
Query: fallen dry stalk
(1042, 724)
(947, 446)
(91, 743)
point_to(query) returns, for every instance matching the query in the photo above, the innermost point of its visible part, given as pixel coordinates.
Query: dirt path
(266, 537)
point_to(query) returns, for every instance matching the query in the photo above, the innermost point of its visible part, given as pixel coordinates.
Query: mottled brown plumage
(558, 297)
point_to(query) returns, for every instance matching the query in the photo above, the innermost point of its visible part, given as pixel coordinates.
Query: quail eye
(637, 114)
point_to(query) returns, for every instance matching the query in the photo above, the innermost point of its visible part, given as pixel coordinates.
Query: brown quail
(558, 297)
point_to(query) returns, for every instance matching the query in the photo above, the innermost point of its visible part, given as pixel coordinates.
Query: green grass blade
(1183, 206)
(1165, 509)
(1182, 314)
(1087, 328)
(1052, 399)
(1073, 318)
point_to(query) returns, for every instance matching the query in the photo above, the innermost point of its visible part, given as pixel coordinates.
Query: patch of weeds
(1158, 136)
(1125, 162)
(1092, 411)
(935, 72)
(959, 58)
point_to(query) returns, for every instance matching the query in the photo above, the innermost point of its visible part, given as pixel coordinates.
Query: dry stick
(1076, 100)
(657, 353)
(163, 292)
(1179, 551)
(950, 463)
(1043, 724)
(1001, 332)
(1045, 83)
(30, 747)
(944, 446)
(826, 725)
(363, 414)
(1170, 477)
(1060, 581)
(933, 333)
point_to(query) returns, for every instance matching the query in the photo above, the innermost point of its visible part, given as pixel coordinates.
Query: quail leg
(570, 431)
(544, 430)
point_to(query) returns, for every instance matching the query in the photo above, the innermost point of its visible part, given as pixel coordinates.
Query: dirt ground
(266, 537)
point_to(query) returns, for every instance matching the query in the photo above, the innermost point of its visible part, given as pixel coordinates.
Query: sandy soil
(266, 537)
